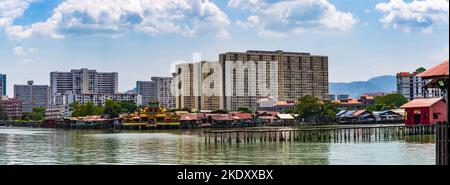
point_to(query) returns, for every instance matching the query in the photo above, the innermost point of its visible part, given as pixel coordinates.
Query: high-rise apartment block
(2, 85)
(148, 91)
(63, 85)
(32, 95)
(298, 74)
(83, 81)
(163, 94)
(246, 77)
(413, 87)
(159, 89)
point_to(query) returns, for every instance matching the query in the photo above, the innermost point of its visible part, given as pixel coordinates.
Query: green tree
(308, 107)
(129, 106)
(3, 115)
(113, 108)
(244, 110)
(420, 69)
(87, 109)
(329, 108)
(220, 111)
(38, 113)
(390, 101)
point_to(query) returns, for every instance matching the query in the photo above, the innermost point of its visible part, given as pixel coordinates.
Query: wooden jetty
(336, 134)
(442, 143)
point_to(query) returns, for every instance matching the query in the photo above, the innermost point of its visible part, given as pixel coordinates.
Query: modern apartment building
(199, 87)
(12, 107)
(148, 91)
(32, 95)
(246, 77)
(81, 81)
(100, 99)
(84, 81)
(297, 74)
(163, 92)
(2, 85)
(412, 86)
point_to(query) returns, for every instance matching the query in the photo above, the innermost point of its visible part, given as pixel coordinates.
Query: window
(435, 115)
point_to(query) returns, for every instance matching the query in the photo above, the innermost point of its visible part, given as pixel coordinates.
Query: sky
(143, 38)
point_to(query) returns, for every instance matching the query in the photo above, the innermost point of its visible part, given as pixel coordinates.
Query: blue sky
(141, 39)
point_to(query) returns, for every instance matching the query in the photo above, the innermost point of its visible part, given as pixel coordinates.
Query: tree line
(112, 109)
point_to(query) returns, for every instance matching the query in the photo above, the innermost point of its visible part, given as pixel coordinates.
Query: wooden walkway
(442, 140)
(337, 134)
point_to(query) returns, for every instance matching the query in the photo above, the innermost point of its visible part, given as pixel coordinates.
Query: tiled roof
(428, 102)
(438, 70)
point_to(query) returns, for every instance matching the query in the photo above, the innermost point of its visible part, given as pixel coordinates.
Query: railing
(442, 143)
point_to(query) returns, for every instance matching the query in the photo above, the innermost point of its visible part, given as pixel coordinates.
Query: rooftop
(428, 102)
(436, 71)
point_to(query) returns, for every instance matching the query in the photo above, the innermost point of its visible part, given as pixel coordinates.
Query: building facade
(413, 87)
(200, 86)
(147, 89)
(81, 81)
(2, 85)
(298, 74)
(32, 95)
(246, 77)
(84, 81)
(163, 93)
(100, 99)
(12, 107)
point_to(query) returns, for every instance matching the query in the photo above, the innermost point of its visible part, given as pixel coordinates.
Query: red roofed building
(425, 111)
(436, 71)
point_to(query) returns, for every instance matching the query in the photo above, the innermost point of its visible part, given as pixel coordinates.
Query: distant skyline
(141, 39)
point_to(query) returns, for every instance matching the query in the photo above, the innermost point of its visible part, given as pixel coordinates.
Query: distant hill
(387, 83)
(132, 91)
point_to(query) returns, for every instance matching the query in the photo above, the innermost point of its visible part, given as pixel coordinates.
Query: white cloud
(27, 61)
(418, 15)
(12, 9)
(277, 18)
(19, 51)
(154, 17)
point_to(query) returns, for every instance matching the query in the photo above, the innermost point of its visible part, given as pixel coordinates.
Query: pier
(334, 134)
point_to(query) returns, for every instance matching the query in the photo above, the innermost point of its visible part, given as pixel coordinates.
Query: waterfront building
(2, 85)
(12, 107)
(412, 86)
(425, 111)
(367, 100)
(163, 94)
(32, 95)
(147, 89)
(270, 104)
(57, 112)
(100, 99)
(350, 104)
(81, 81)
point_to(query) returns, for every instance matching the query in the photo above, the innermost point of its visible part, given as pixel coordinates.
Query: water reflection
(40, 146)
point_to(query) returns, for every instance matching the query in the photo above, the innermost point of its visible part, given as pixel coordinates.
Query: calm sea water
(47, 146)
